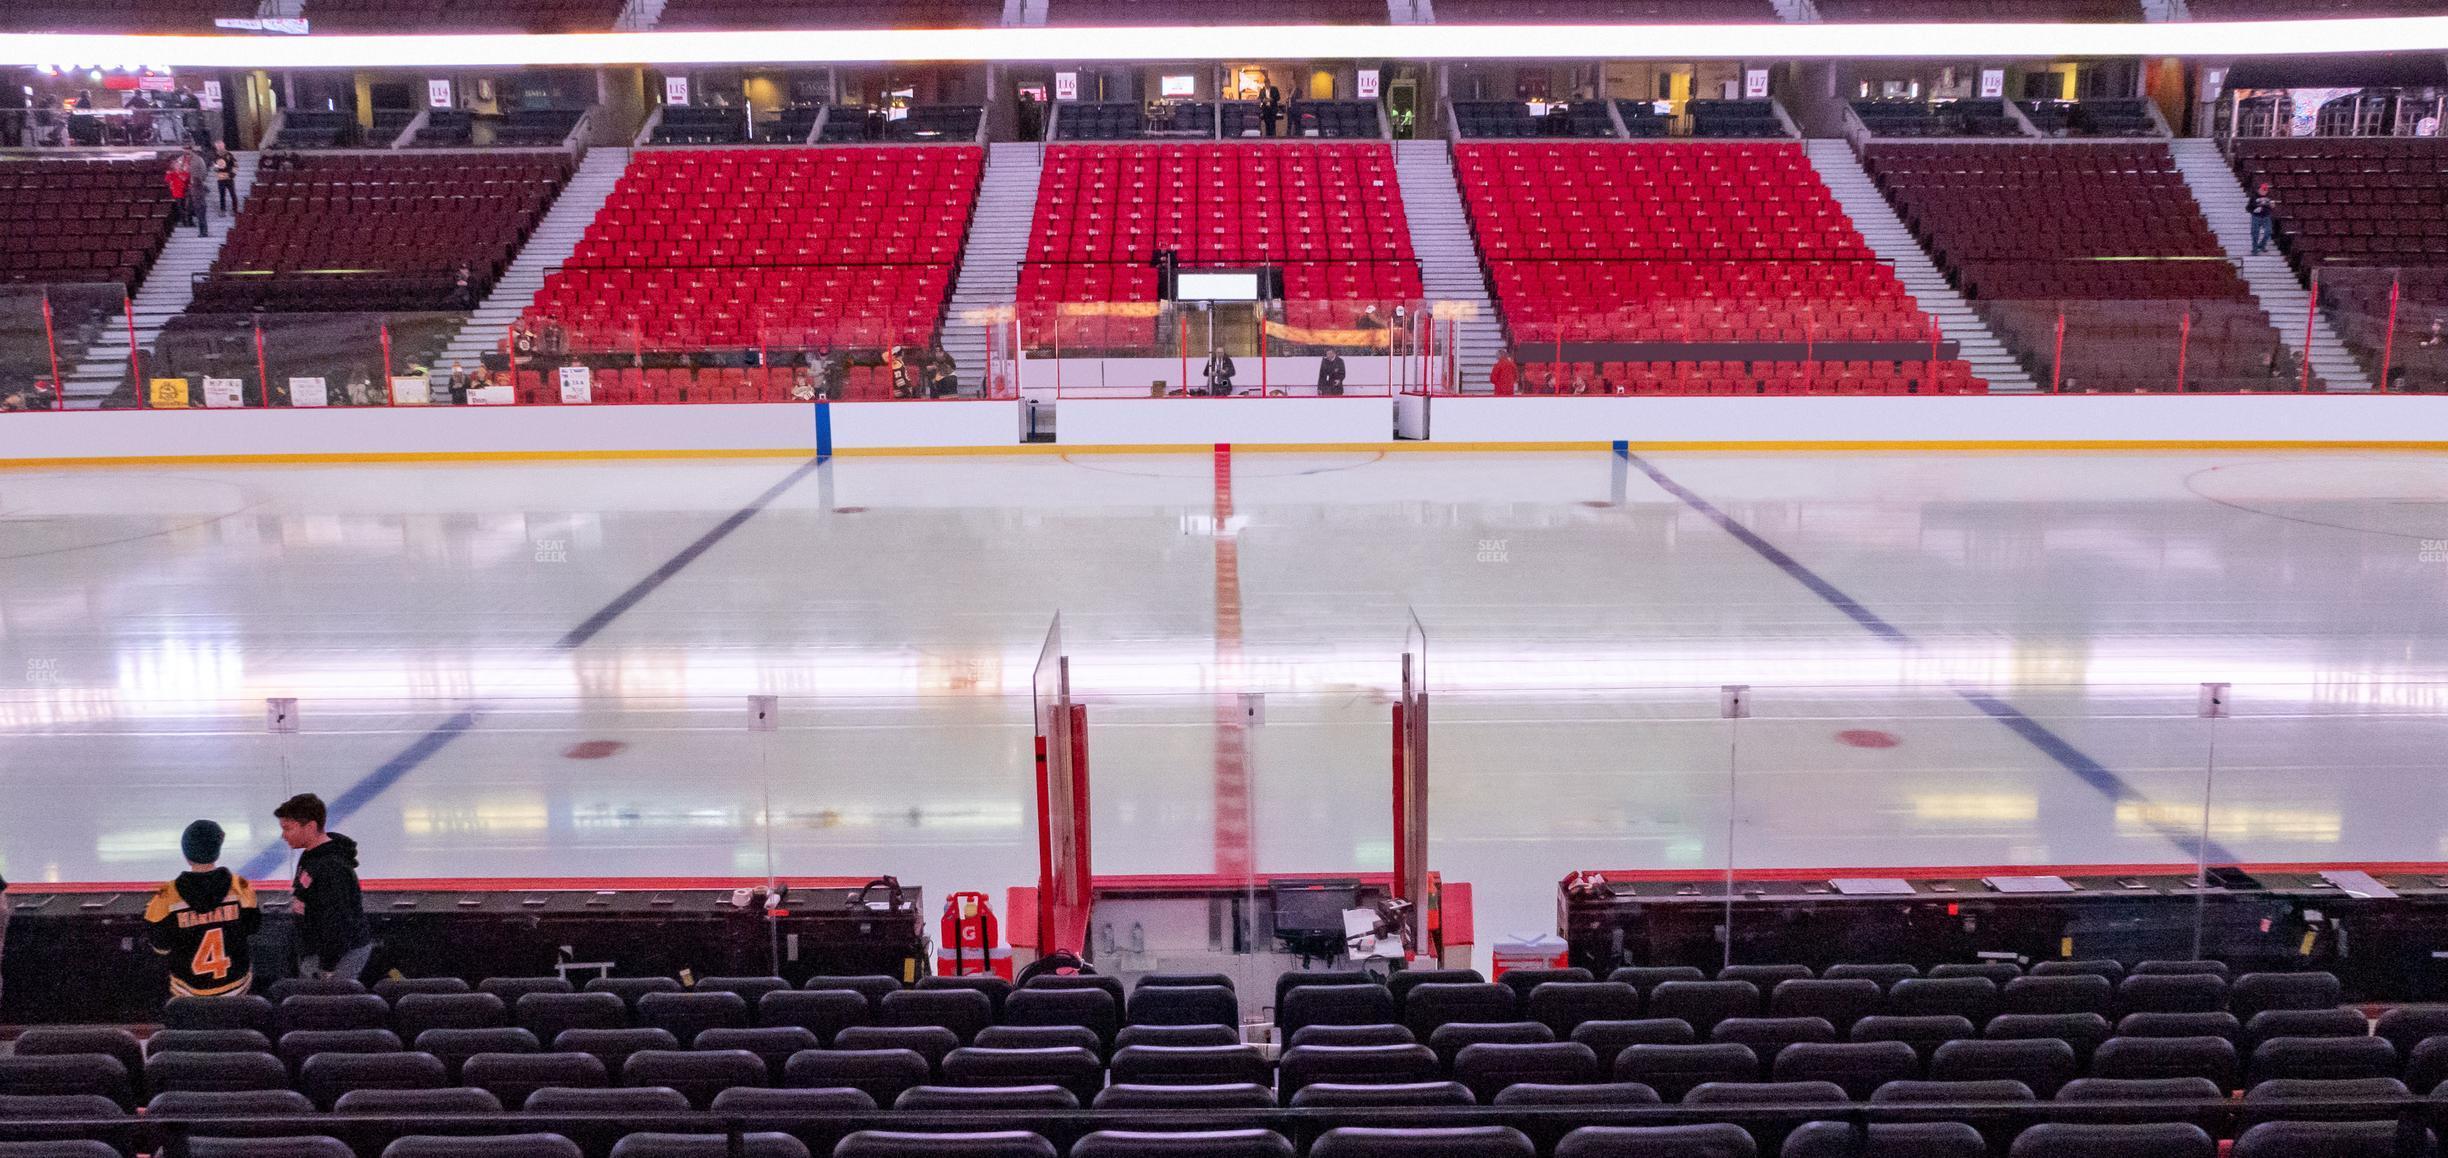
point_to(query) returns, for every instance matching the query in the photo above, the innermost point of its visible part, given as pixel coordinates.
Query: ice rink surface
(541, 670)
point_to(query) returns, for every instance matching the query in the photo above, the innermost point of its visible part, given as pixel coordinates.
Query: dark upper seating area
(683, 125)
(1131, 121)
(321, 129)
(1991, 11)
(1606, 12)
(1937, 118)
(165, 16)
(2109, 235)
(537, 128)
(374, 232)
(446, 129)
(2076, 1059)
(1514, 119)
(2092, 118)
(682, 15)
(462, 15)
(1722, 118)
(1324, 120)
(66, 221)
(1139, 13)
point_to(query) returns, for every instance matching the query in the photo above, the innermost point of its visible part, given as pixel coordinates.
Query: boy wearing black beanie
(204, 920)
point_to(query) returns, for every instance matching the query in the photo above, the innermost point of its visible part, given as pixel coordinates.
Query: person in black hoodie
(203, 920)
(334, 939)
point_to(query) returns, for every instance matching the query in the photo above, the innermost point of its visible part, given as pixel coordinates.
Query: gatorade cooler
(970, 941)
(1544, 951)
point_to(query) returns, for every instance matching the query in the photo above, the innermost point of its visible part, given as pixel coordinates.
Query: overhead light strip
(2412, 34)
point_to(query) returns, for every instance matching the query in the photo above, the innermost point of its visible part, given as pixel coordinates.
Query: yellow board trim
(2041, 446)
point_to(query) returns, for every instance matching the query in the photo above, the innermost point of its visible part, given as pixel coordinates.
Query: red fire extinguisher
(970, 941)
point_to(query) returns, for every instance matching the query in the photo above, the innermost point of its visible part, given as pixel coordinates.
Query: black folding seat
(1109, 986)
(1859, 1067)
(963, 1011)
(391, 989)
(1766, 977)
(2168, 1057)
(1885, 1140)
(1767, 1035)
(2081, 993)
(1488, 1067)
(1091, 1009)
(415, 1103)
(982, 1099)
(2216, 969)
(1576, 1094)
(93, 1074)
(1177, 1005)
(1673, 1070)
(2276, 1023)
(792, 1103)
(1711, 1140)
(1075, 1069)
(1769, 1133)
(1646, 978)
(1198, 1144)
(1975, 999)
(1337, 1005)
(750, 989)
(881, 1073)
(299, 1044)
(2407, 1026)
(1432, 1005)
(288, 987)
(585, 1112)
(897, 1144)
(765, 1144)
(1352, 1035)
(1925, 1034)
(932, 1042)
(1564, 1005)
(685, 1015)
(1522, 981)
(1839, 1002)
(1354, 1064)
(1704, 1003)
(214, 1072)
(1998, 973)
(94, 1117)
(1160, 980)
(995, 988)
(1401, 984)
(2153, 1140)
(1885, 975)
(1450, 1142)
(300, 1146)
(456, 1046)
(775, 1045)
(2427, 1067)
(2180, 1025)
(1177, 1035)
(2326, 1140)
(325, 1076)
(1348, 1095)
(510, 989)
(873, 985)
(1945, 1100)
(1451, 1039)
(59, 1148)
(2043, 1064)
(334, 1011)
(2114, 971)
(547, 1014)
(2321, 1059)
(2178, 993)
(1285, 983)
(2141, 1090)
(630, 989)
(207, 1041)
(823, 1013)
(512, 1077)
(698, 1074)
(414, 1013)
(613, 1046)
(70, 1040)
(1226, 1096)
(2298, 1100)
(495, 1146)
(1189, 1065)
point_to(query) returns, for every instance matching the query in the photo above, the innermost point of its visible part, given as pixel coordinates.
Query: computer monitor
(1313, 908)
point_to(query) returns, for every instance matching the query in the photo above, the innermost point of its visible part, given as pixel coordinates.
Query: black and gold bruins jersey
(203, 923)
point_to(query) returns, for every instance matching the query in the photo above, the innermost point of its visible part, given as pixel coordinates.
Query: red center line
(1232, 782)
